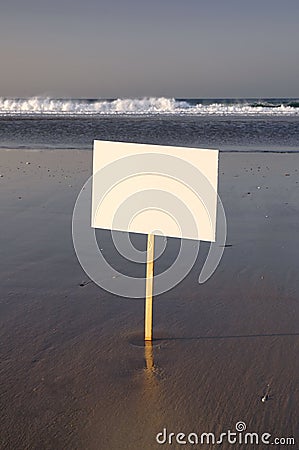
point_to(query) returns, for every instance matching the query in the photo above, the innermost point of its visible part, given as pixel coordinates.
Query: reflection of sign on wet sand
(175, 195)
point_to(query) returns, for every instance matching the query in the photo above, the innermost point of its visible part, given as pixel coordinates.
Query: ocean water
(226, 124)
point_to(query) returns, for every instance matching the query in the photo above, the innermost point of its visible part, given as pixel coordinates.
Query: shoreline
(72, 376)
(231, 149)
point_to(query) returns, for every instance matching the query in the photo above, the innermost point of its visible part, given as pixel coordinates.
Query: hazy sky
(136, 48)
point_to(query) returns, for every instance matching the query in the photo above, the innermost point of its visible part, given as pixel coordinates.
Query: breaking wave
(44, 106)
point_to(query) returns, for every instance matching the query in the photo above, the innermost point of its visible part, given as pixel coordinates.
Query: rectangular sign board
(154, 189)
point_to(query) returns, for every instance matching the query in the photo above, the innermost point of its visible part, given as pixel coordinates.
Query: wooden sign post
(140, 187)
(148, 324)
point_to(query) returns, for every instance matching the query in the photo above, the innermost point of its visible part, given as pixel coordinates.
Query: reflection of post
(149, 358)
(148, 336)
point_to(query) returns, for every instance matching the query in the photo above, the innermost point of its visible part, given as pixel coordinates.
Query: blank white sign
(155, 189)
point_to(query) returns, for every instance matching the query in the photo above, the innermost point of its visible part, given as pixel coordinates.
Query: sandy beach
(74, 372)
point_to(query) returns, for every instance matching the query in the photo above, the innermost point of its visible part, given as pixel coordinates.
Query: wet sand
(74, 374)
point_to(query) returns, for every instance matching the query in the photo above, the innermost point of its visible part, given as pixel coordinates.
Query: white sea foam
(135, 106)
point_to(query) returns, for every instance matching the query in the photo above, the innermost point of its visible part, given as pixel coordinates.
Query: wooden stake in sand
(148, 325)
(165, 170)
